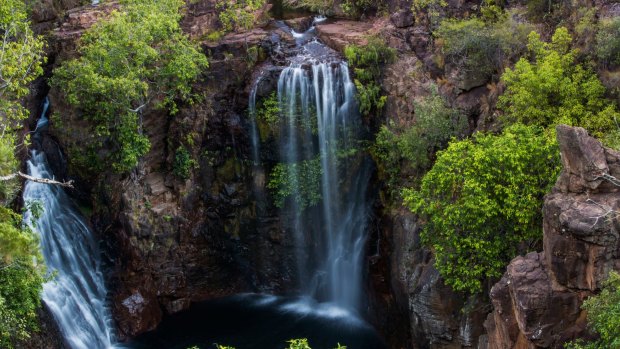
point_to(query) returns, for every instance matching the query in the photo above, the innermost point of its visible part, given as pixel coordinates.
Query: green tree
(603, 316)
(238, 14)
(554, 89)
(137, 58)
(483, 198)
(396, 150)
(21, 56)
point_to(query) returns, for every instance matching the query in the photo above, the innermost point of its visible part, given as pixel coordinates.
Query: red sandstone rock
(537, 302)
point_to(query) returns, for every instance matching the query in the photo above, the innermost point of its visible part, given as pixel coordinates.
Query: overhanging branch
(68, 184)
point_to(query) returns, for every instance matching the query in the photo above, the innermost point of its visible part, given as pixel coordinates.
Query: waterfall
(76, 295)
(327, 210)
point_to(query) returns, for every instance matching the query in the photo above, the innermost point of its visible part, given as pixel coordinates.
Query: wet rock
(140, 313)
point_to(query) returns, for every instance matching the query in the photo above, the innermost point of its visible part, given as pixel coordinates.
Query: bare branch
(68, 184)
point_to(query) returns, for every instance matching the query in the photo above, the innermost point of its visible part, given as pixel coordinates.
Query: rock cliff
(537, 302)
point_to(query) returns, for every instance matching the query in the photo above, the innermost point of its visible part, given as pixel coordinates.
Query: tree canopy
(553, 89)
(137, 58)
(481, 199)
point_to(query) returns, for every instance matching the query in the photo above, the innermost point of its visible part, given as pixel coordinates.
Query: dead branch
(68, 184)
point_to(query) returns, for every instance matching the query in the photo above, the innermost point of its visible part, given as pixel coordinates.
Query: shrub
(183, 163)
(554, 89)
(300, 182)
(320, 6)
(481, 199)
(481, 48)
(367, 61)
(238, 14)
(436, 123)
(139, 57)
(608, 41)
(603, 316)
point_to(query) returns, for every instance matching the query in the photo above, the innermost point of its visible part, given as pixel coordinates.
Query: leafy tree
(21, 56)
(483, 198)
(136, 58)
(554, 89)
(603, 316)
(238, 14)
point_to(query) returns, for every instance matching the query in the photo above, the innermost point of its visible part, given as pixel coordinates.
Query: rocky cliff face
(174, 241)
(537, 302)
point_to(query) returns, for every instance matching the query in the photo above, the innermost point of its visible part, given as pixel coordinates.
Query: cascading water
(325, 174)
(319, 139)
(77, 294)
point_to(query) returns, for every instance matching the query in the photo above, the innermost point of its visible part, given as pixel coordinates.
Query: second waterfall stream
(76, 296)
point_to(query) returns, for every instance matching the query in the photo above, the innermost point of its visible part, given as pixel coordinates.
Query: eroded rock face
(413, 307)
(537, 302)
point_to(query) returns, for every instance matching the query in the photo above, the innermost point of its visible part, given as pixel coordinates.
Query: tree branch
(68, 184)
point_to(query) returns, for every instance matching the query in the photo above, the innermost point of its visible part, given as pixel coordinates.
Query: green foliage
(481, 199)
(268, 116)
(320, 6)
(429, 10)
(183, 163)
(300, 182)
(21, 277)
(603, 316)
(608, 41)
(414, 147)
(367, 62)
(355, 8)
(136, 58)
(481, 48)
(555, 89)
(269, 110)
(238, 14)
(20, 286)
(21, 56)
(293, 344)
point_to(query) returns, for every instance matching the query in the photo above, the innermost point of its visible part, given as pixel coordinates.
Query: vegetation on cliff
(238, 14)
(137, 58)
(603, 316)
(482, 199)
(366, 61)
(554, 89)
(398, 150)
(21, 271)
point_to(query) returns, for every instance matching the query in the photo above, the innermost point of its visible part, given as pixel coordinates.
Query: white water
(334, 234)
(77, 294)
(320, 123)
